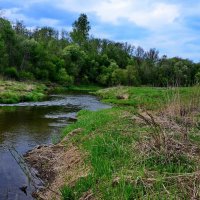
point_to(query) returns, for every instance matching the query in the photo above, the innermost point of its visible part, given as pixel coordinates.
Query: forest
(76, 57)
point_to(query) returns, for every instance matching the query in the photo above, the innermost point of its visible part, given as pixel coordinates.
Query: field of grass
(146, 97)
(145, 147)
(14, 92)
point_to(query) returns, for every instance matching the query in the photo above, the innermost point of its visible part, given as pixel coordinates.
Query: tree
(74, 60)
(197, 77)
(48, 55)
(20, 28)
(4, 55)
(132, 75)
(107, 75)
(152, 55)
(64, 78)
(8, 36)
(81, 28)
(119, 77)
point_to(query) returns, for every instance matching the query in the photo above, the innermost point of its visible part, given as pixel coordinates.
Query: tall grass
(167, 148)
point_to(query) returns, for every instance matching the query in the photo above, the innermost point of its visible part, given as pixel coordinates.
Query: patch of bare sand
(57, 165)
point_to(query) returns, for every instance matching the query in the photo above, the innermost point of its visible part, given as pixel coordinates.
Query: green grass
(142, 97)
(106, 152)
(118, 170)
(14, 92)
(77, 88)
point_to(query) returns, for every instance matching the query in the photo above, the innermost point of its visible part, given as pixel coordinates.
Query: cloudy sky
(171, 26)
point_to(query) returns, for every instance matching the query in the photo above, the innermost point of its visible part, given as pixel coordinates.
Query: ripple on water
(25, 125)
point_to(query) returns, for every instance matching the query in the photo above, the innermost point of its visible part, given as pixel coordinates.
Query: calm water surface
(25, 125)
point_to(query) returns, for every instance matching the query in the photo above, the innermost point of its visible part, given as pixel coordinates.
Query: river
(25, 125)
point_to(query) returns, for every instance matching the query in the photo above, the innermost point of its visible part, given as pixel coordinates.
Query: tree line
(76, 57)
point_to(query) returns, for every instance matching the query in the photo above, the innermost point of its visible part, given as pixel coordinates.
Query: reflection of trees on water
(25, 127)
(27, 122)
(1, 138)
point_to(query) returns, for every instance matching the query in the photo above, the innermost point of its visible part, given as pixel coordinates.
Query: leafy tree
(81, 28)
(197, 77)
(105, 78)
(64, 78)
(73, 58)
(7, 34)
(132, 75)
(119, 77)
(4, 60)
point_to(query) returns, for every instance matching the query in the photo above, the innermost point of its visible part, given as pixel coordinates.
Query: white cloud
(182, 43)
(159, 16)
(48, 22)
(146, 13)
(166, 22)
(13, 14)
(98, 33)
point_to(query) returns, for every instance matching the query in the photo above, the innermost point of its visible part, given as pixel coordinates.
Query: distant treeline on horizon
(75, 57)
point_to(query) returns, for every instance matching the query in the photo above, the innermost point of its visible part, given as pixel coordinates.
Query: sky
(171, 26)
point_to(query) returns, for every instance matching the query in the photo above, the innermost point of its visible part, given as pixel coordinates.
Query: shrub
(42, 74)
(23, 75)
(64, 78)
(11, 72)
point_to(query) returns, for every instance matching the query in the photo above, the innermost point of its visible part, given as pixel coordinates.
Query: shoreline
(52, 162)
(128, 151)
(15, 92)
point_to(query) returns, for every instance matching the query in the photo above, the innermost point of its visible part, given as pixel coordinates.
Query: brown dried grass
(57, 165)
(168, 135)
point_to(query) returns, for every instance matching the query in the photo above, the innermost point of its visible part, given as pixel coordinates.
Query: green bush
(9, 97)
(11, 72)
(23, 75)
(63, 78)
(42, 74)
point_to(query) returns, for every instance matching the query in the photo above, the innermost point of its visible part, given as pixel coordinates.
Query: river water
(25, 125)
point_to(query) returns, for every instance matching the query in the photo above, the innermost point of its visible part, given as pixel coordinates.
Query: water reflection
(26, 125)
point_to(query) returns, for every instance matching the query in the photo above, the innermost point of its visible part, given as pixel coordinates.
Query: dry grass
(166, 149)
(57, 165)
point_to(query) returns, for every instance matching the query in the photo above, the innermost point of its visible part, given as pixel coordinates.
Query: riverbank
(75, 89)
(145, 147)
(14, 92)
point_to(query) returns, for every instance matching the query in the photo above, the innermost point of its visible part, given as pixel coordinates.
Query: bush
(64, 78)
(9, 97)
(11, 72)
(23, 75)
(42, 74)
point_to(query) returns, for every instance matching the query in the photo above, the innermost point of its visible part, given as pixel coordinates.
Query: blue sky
(171, 26)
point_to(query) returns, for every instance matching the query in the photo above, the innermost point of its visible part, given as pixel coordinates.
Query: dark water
(25, 125)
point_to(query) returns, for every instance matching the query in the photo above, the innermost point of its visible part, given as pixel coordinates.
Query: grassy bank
(145, 147)
(14, 92)
(75, 88)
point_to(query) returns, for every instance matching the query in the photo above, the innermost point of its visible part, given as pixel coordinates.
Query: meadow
(145, 147)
